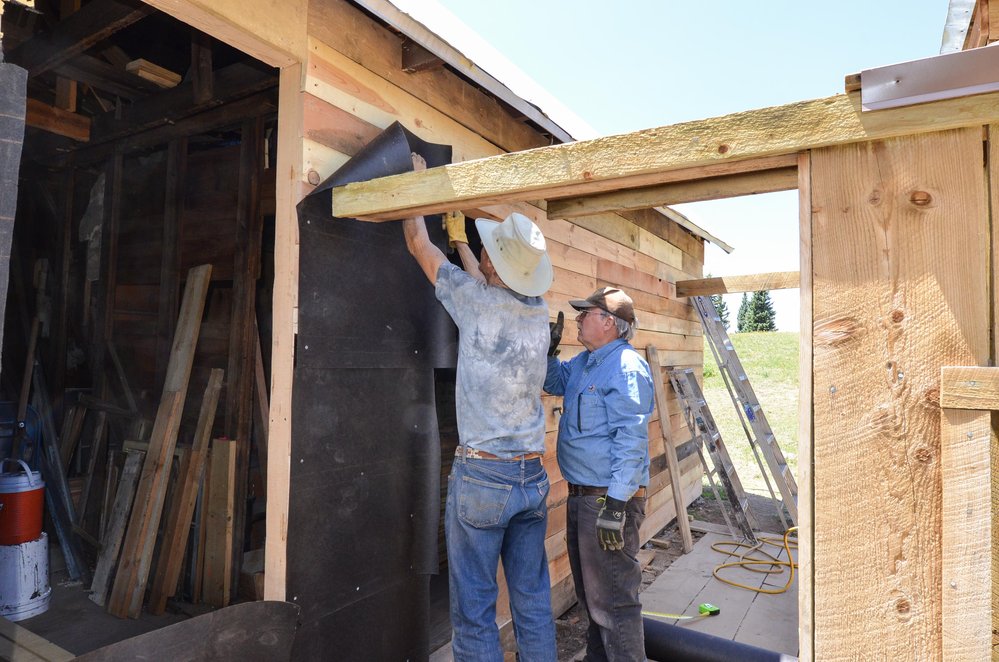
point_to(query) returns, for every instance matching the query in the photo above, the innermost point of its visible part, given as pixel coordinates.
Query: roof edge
(429, 40)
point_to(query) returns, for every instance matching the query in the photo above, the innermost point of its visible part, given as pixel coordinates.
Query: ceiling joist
(57, 121)
(638, 159)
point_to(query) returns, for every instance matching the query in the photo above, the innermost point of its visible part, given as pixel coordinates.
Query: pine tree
(721, 308)
(741, 316)
(760, 314)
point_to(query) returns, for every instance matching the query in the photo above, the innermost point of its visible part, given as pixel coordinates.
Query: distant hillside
(771, 363)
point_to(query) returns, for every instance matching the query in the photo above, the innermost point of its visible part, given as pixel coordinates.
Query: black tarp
(365, 452)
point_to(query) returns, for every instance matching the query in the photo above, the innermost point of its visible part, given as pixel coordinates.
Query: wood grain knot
(723, 149)
(837, 331)
(883, 420)
(923, 455)
(314, 177)
(876, 197)
(587, 175)
(897, 316)
(931, 397)
(903, 606)
(921, 198)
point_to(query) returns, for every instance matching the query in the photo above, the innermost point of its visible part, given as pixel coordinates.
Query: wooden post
(242, 331)
(967, 396)
(288, 192)
(900, 288)
(806, 606)
(672, 464)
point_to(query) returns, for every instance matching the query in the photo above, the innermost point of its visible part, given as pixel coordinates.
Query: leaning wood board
(140, 538)
(899, 288)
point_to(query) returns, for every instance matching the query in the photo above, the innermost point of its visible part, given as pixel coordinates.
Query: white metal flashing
(947, 76)
(957, 25)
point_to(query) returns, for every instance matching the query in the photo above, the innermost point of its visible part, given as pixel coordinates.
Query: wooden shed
(170, 134)
(897, 280)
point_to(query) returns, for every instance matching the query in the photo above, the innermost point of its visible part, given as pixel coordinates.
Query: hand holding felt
(454, 223)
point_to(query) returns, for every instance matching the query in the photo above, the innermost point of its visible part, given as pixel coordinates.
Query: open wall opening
(141, 281)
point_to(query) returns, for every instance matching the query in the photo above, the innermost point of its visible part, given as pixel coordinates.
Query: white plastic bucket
(24, 579)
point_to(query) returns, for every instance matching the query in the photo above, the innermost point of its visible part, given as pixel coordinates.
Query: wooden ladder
(754, 421)
(705, 434)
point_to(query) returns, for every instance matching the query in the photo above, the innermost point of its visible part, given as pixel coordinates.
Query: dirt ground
(570, 628)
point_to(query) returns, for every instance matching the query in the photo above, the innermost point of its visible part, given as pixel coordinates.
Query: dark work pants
(607, 583)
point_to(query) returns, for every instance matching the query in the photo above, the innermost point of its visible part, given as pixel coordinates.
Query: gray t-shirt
(502, 347)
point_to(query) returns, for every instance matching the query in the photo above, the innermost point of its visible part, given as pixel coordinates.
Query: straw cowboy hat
(517, 250)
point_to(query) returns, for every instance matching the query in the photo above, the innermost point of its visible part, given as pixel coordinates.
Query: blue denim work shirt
(503, 338)
(603, 435)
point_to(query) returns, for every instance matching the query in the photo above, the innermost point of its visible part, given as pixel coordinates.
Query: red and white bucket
(22, 494)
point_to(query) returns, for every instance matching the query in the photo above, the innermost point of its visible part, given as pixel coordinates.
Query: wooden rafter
(642, 158)
(93, 23)
(647, 197)
(778, 280)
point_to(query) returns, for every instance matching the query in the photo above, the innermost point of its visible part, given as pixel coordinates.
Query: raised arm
(454, 223)
(429, 257)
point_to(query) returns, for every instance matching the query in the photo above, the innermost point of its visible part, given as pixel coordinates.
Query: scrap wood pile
(146, 518)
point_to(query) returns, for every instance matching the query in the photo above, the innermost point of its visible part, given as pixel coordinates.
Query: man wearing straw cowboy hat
(496, 502)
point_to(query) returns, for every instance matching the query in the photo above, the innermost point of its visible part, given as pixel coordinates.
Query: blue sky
(629, 65)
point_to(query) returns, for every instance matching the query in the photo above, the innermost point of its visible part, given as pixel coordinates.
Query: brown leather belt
(476, 454)
(586, 490)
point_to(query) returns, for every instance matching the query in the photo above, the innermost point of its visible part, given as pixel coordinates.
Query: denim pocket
(541, 508)
(481, 504)
(592, 412)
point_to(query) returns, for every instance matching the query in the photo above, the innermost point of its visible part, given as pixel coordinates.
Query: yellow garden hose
(749, 562)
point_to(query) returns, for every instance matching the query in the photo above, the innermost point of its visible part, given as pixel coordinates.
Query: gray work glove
(555, 329)
(610, 523)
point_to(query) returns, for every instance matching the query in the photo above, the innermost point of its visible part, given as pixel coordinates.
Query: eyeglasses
(583, 313)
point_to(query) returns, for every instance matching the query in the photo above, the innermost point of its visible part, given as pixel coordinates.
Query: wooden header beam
(645, 157)
(713, 188)
(778, 280)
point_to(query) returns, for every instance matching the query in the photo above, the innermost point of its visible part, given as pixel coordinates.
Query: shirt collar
(597, 356)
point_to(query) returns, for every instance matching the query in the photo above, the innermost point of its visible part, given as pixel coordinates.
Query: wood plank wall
(900, 277)
(354, 87)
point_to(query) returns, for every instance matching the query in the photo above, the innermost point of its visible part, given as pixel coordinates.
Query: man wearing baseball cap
(498, 489)
(603, 452)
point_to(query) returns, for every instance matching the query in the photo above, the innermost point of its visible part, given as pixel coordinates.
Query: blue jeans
(496, 509)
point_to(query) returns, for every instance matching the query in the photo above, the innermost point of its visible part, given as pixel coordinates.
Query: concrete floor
(76, 624)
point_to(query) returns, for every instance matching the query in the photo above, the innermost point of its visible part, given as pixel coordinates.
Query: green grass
(771, 363)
